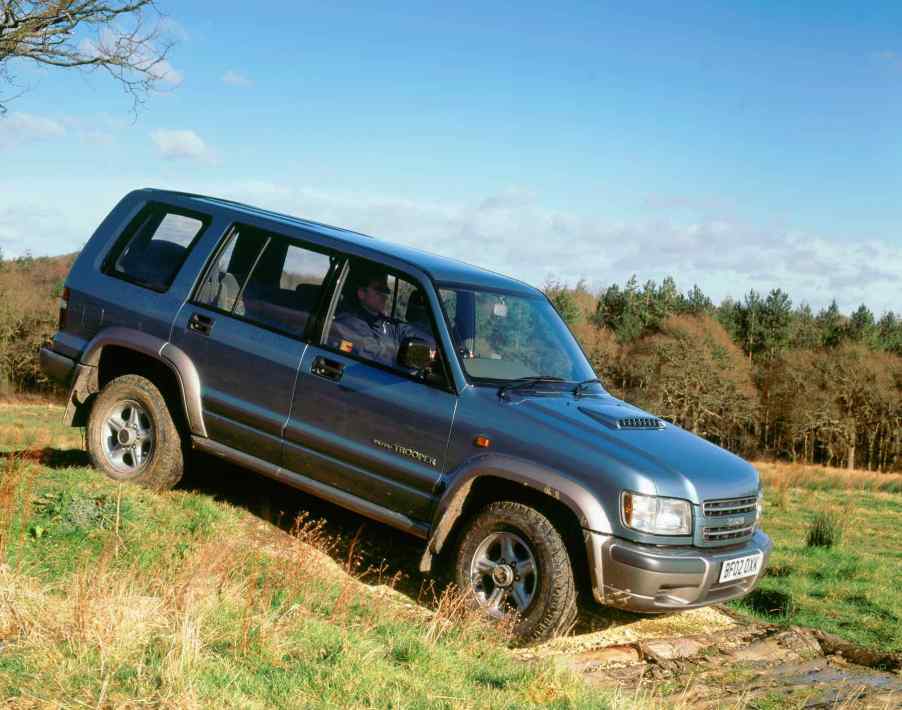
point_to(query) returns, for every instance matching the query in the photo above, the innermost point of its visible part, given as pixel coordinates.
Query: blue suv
(445, 400)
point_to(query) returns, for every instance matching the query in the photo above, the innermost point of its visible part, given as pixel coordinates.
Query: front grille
(727, 531)
(724, 533)
(731, 506)
(640, 423)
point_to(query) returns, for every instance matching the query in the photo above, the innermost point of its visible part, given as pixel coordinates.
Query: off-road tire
(165, 466)
(553, 609)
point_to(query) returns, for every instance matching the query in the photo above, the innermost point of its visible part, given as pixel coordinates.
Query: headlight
(656, 515)
(759, 509)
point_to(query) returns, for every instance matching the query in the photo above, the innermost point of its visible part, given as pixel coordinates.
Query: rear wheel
(512, 560)
(131, 435)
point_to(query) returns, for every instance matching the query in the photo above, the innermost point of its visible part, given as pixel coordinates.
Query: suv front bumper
(648, 578)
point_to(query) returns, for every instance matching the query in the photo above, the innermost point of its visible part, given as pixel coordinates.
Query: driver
(364, 329)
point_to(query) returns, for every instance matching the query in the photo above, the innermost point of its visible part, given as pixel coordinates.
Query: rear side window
(268, 280)
(154, 247)
(285, 287)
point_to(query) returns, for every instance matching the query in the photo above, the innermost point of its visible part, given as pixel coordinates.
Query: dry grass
(783, 476)
(184, 602)
(36, 425)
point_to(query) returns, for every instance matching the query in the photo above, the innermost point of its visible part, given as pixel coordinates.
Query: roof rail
(261, 211)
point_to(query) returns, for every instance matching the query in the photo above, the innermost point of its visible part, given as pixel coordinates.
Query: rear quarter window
(154, 246)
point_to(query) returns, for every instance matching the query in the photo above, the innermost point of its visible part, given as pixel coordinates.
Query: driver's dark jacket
(372, 336)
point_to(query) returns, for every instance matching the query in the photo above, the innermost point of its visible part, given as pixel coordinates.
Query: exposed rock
(610, 656)
(664, 650)
(833, 645)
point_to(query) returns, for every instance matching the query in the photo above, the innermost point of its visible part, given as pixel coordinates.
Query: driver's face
(374, 297)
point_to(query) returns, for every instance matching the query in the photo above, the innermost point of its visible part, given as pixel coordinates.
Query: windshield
(500, 336)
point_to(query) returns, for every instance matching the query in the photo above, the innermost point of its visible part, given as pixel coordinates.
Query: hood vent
(613, 417)
(640, 423)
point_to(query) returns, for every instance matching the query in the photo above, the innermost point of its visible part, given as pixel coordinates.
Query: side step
(308, 485)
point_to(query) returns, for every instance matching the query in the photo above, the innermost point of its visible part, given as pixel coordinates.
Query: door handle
(328, 369)
(200, 324)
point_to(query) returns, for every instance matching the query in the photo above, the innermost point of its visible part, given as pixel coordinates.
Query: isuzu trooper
(440, 398)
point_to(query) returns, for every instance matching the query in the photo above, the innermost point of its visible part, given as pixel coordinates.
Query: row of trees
(757, 376)
(761, 325)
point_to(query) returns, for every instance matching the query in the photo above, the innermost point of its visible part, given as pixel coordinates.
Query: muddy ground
(704, 658)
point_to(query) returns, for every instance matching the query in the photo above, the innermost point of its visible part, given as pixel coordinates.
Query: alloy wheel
(504, 574)
(128, 437)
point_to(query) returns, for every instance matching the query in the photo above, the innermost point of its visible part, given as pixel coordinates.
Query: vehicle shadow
(374, 552)
(381, 553)
(50, 457)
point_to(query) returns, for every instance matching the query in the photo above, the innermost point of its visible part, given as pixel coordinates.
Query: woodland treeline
(30, 289)
(761, 376)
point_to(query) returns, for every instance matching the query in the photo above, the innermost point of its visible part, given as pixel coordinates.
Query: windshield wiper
(578, 390)
(528, 382)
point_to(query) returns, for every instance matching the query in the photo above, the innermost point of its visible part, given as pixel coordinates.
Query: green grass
(114, 595)
(35, 426)
(851, 589)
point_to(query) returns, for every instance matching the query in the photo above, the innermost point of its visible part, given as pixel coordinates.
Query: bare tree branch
(123, 37)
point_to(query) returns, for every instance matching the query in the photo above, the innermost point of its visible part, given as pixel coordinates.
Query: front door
(245, 328)
(361, 422)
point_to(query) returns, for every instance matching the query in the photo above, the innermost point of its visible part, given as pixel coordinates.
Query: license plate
(747, 566)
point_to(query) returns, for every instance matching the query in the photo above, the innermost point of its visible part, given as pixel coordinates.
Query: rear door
(245, 328)
(370, 427)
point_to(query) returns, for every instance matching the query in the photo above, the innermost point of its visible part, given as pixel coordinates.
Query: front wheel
(131, 435)
(512, 560)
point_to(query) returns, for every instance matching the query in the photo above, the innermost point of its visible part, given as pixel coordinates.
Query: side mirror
(414, 354)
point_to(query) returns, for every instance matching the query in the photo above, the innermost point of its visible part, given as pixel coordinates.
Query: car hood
(604, 438)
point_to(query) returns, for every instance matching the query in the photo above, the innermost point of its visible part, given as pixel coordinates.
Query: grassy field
(113, 596)
(851, 589)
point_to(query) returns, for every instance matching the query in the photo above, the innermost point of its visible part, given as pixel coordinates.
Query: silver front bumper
(647, 578)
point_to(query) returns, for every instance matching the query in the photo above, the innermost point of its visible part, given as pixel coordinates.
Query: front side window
(268, 280)
(502, 336)
(376, 313)
(157, 243)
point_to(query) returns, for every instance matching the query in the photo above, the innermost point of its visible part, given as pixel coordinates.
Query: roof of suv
(440, 268)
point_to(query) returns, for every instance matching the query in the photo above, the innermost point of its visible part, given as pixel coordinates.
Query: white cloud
(96, 129)
(235, 78)
(513, 233)
(175, 144)
(23, 226)
(19, 128)
(165, 73)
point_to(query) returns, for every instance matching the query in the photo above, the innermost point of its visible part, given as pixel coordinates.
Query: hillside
(234, 590)
(113, 595)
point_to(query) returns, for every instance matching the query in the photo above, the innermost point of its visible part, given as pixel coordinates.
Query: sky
(731, 145)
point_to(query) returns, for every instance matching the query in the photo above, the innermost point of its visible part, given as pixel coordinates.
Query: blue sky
(733, 145)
